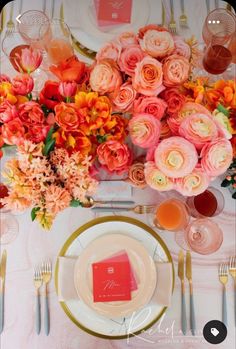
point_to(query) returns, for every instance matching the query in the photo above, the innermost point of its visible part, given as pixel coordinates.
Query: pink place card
(113, 12)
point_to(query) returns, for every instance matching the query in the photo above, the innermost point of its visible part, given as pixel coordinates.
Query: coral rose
(176, 157)
(110, 51)
(175, 70)
(194, 183)
(157, 44)
(148, 77)
(150, 105)
(144, 130)
(37, 134)
(129, 58)
(124, 97)
(127, 39)
(50, 95)
(156, 179)
(216, 157)
(67, 116)
(105, 77)
(30, 113)
(114, 156)
(30, 59)
(22, 84)
(136, 175)
(8, 112)
(181, 47)
(70, 69)
(198, 129)
(13, 132)
(174, 99)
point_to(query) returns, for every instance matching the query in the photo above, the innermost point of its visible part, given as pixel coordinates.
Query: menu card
(112, 12)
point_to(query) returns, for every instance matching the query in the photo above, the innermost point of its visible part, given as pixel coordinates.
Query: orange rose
(70, 69)
(105, 77)
(67, 116)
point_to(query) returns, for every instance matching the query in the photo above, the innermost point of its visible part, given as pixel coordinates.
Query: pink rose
(13, 132)
(30, 113)
(8, 112)
(176, 157)
(124, 97)
(216, 157)
(194, 183)
(30, 59)
(181, 47)
(37, 134)
(114, 156)
(110, 51)
(22, 84)
(129, 58)
(157, 44)
(67, 89)
(144, 130)
(105, 77)
(156, 179)
(175, 70)
(174, 99)
(150, 105)
(127, 39)
(148, 77)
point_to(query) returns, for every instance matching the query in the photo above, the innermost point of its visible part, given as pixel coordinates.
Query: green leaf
(101, 139)
(222, 109)
(75, 203)
(33, 213)
(49, 135)
(225, 183)
(49, 146)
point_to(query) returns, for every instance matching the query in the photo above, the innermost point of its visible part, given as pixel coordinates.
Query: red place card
(111, 281)
(113, 11)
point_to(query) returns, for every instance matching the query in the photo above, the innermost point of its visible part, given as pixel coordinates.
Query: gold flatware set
(3, 264)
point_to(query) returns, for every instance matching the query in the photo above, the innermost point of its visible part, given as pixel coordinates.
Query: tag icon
(214, 331)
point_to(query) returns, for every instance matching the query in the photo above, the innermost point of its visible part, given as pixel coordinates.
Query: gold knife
(2, 287)
(2, 19)
(189, 277)
(183, 304)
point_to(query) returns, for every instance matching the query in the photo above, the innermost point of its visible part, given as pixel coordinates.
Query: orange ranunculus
(72, 141)
(70, 69)
(68, 116)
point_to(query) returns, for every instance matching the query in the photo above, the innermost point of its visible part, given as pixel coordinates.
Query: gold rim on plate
(79, 231)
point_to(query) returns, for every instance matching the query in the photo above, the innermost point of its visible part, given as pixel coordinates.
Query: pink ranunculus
(105, 77)
(181, 47)
(129, 58)
(156, 179)
(13, 132)
(111, 50)
(8, 112)
(216, 157)
(199, 129)
(30, 59)
(175, 70)
(4, 78)
(157, 43)
(114, 156)
(176, 157)
(37, 134)
(127, 39)
(174, 99)
(144, 130)
(194, 183)
(150, 105)
(124, 97)
(22, 84)
(67, 89)
(148, 77)
(30, 113)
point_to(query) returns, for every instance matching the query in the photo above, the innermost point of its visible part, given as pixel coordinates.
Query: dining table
(33, 245)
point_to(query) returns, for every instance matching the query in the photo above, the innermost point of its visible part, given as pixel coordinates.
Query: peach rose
(8, 112)
(110, 51)
(175, 70)
(165, 129)
(176, 157)
(148, 77)
(13, 132)
(198, 129)
(127, 39)
(124, 97)
(67, 116)
(150, 105)
(144, 29)
(114, 156)
(129, 58)
(181, 47)
(156, 179)
(174, 99)
(216, 157)
(194, 183)
(157, 44)
(105, 77)
(136, 175)
(30, 113)
(22, 84)
(144, 130)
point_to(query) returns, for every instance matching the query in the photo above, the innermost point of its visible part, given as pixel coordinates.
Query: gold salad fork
(172, 24)
(46, 270)
(183, 19)
(232, 271)
(37, 283)
(10, 23)
(139, 209)
(223, 277)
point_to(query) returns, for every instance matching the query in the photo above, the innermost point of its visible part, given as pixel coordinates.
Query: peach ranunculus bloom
(156, 179)
(176, 157)
(129, 58)
(13, 132)
(175, 70)
(22, 84)
(127, 39)
(56, 199)
(105, 77)
(199, 129)
(194, 183)
(216, 157)
(181, 47)
(31, 113)
(30, 59)
(148, 77)
(144, 130)
(111, 50)
(150, 105)
(67, 116)
(8, 112)
(124, 97)
(114, 156)
(157, 44)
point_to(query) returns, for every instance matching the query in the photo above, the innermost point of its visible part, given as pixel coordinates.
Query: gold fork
(139, 209)
(172, 24)
(232, 271)
(223, 277)
(183, 19)
(37, 283)
(10, 23)
(46, 270)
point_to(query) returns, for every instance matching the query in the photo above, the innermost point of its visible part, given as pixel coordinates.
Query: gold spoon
(91, 202)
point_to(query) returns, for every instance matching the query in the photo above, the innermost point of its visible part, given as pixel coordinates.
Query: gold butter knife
(189, 277)
(2, 287)
(183, 304)
(2, 19)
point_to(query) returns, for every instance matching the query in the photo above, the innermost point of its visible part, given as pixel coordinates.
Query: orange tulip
(70, 69)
